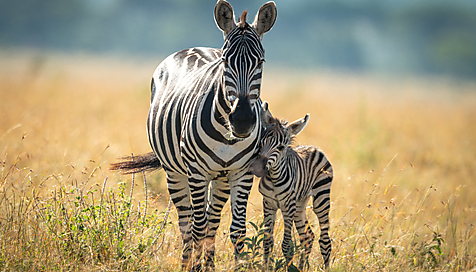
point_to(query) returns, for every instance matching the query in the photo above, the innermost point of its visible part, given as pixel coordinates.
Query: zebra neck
(288, 164)
(220, 104)
(216, 120)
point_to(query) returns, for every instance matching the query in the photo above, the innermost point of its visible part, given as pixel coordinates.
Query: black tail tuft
(136, 164)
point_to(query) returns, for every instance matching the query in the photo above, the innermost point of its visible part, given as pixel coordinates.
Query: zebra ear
(297, 126)
(265, 18)
(266, 117)
(224, 16)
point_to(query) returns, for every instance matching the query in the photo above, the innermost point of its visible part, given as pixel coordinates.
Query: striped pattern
(293, 176)
(242, 59)
(204, 127)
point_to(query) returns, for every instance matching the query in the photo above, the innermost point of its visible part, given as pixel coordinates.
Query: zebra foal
(204, 128)
(290, 176)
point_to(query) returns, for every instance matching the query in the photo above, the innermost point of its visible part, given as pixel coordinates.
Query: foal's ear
(266, 117)
(224, 16)
(297, 126)
(265, 18)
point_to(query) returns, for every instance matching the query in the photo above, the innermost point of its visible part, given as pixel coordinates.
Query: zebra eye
(231, 95)
(280, 148)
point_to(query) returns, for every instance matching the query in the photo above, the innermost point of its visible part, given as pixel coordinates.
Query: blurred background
(398, 37)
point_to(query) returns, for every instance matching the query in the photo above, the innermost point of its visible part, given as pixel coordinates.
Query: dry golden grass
(403, 150)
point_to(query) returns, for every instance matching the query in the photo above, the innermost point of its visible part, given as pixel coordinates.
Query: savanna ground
(403, 150)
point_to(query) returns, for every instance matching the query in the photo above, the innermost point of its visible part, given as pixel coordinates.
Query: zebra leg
(269, 217)
(321, 209)
(240, 190)
(288, 212)
(306, 236)
(218, 198)
(179, 191)
(198, 184)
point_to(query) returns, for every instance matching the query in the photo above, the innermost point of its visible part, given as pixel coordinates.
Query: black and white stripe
(290, 176)
(204, 127)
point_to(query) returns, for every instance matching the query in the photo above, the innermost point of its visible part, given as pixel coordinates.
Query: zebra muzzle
(258, 167)
(242, 118)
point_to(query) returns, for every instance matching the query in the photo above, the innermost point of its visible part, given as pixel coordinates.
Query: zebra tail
(137, 163)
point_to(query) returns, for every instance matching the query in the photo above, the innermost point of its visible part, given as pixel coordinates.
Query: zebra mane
(280, 125)
(276, 123)
(282, 122)
(242, 23)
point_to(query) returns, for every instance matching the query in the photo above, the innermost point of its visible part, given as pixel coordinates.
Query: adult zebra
(204, 128)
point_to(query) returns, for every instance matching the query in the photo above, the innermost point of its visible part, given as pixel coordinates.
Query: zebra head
(242, 60)
(277, 138)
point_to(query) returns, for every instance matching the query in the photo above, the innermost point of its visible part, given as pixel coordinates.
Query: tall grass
(404, 153)
(78, 224)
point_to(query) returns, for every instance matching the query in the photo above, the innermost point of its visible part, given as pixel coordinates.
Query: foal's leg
(269, 217)
(306, 236)
(288, 212)
(321, 209)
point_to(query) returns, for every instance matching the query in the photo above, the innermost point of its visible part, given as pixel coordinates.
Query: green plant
(74, 228)
(428, 254)
(252, 258)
